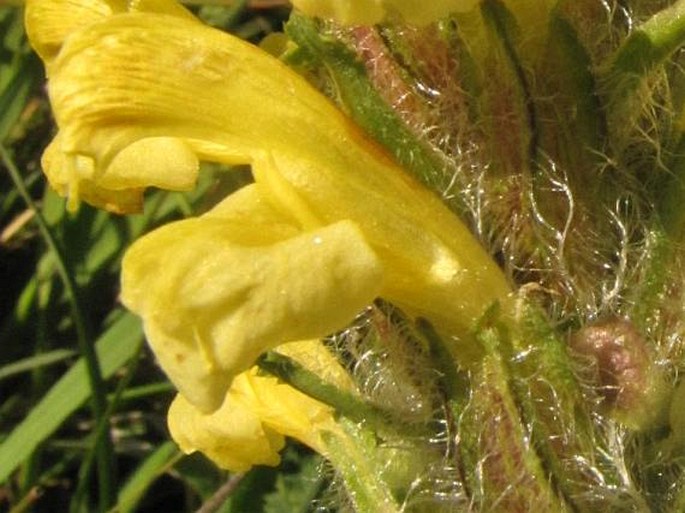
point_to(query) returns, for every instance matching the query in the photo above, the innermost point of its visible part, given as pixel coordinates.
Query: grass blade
(116, 346)
(95, 380)
(34, 362)
(164, 457)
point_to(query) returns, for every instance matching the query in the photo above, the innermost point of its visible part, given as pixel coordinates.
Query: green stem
(654, 41)
(105, 453)
(671, 213)
(101, 431)
(357, 92)
(345, 403)
(455, 386)
(352, 455)
(648, 46)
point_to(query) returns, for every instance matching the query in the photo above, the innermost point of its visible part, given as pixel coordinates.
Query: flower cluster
(142, 92)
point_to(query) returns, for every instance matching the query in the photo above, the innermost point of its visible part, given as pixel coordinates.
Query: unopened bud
(622, 368)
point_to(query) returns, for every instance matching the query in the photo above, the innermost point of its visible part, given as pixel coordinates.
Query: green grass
(82, 403)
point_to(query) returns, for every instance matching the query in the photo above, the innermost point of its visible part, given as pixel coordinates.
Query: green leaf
(114, 348)
(18, 74)
(296, 492)
(153, 467)
(34, 362)
(13, 97)
(504, 32)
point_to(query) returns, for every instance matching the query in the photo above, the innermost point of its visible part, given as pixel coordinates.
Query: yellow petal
(62, 170)
(166, 76)
(309, 160)
(249, 426)
(50, 22)
(120, 189)
(216, 292)
(313, 356)
(369, 12)
(175, 166)
(284, 409)
(233, 437)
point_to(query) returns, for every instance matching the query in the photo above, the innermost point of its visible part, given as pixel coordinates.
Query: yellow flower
(369, 12)
(258, 411)
(49, 24)
(217, 291)
(331, 222)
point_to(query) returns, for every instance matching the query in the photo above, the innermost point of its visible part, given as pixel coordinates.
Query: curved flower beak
(258, 411)
(49, 23)
(331, 222)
